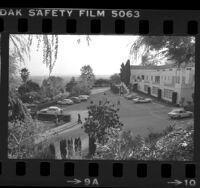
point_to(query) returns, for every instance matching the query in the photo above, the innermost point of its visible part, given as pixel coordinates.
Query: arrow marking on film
(74, 181)
(175, 182)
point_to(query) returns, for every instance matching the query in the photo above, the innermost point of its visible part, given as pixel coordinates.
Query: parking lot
(141, 119)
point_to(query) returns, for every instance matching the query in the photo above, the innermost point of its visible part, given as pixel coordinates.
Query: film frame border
(154, 175)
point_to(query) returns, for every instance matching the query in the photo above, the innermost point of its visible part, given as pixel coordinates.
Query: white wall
(183, 90)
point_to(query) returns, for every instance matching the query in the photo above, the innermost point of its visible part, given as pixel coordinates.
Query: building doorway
(149, 91)
(174, 98)
(159, 93)
(135, 87)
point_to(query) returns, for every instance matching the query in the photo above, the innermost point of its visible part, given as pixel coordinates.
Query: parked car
(83, 97)
(179, 113)
(75, 99)
(65, 101)
(142, 100)
(51, 110)
(130, 96)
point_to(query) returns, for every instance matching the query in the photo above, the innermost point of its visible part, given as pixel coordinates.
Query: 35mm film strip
(95, 97)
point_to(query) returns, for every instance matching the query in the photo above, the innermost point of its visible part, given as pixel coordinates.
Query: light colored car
(52, 110)
(83, 97)
(179, 113)
(75, 99)
(142, 100)
(65, 101)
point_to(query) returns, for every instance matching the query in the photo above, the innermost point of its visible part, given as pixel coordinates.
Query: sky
(104, 54)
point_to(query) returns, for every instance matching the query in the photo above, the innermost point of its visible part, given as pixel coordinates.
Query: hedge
(114, 89)
(52, 117)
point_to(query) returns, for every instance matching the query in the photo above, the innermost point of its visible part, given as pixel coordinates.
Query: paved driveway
(139, 118)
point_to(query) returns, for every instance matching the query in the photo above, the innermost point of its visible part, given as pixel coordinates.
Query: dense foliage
(69, 86)
(102, 82)
(81, 88)
(178, 48)
(52, 86)
(115, 79)
(125, 72)
(87, 75)
(102, 123)
(174, 144)
(20, 138)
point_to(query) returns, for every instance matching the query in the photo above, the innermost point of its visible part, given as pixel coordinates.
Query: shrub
(20, 140)
(171, 144)
(114, 89)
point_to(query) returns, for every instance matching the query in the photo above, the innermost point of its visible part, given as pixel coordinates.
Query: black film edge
(95, 97)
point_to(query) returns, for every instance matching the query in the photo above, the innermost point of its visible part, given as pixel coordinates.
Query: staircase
(125, 87)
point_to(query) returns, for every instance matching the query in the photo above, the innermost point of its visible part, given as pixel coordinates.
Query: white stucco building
(167, 82)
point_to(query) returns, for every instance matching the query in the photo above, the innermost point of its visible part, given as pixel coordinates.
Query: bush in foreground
(171, 144)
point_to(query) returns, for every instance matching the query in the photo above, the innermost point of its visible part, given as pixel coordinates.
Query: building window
(157, 79)
(151, 77)
(146, 88)
(178, 80)
(142, 77)
(155, 90)
(189, 69)
(168, 93)
(183, 79)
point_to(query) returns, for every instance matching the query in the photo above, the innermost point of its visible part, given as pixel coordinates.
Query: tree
(102, 122)
(87, 75)
(52, 86)
(180, 49)
(115, 79)
(19, 49)
(125, 72)
(122, 72)
(24, 75)
(81, 88)
(29, 92)
(16, 109)
(69, 86)
(102, 82)
(32, 86)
